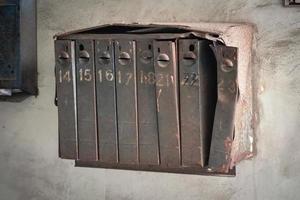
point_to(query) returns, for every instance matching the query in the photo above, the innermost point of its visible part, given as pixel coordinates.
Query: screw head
(227, 65)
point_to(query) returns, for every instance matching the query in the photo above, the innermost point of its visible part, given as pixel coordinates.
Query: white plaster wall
(29, 164)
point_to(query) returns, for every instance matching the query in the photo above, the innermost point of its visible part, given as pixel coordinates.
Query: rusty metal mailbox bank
(146, 97)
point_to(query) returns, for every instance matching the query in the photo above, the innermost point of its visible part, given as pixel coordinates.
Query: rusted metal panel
(126, 101)
(190, 103)
(106, 101)
(223, 130)
(66, 91)
(18, 54)
(198, 96)
(86, 101)
(166, 71)
(147, 116)
(9, 40)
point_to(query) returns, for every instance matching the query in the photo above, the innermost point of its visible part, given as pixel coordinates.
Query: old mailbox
(146, 97)
(18, 67)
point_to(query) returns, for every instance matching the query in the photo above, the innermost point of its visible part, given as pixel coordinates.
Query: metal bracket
(289, 3)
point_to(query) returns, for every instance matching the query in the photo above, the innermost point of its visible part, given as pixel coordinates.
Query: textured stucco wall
(29, 165)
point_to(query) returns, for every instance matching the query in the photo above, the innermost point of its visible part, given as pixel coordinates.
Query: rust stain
(240, 157)
(226, 166)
